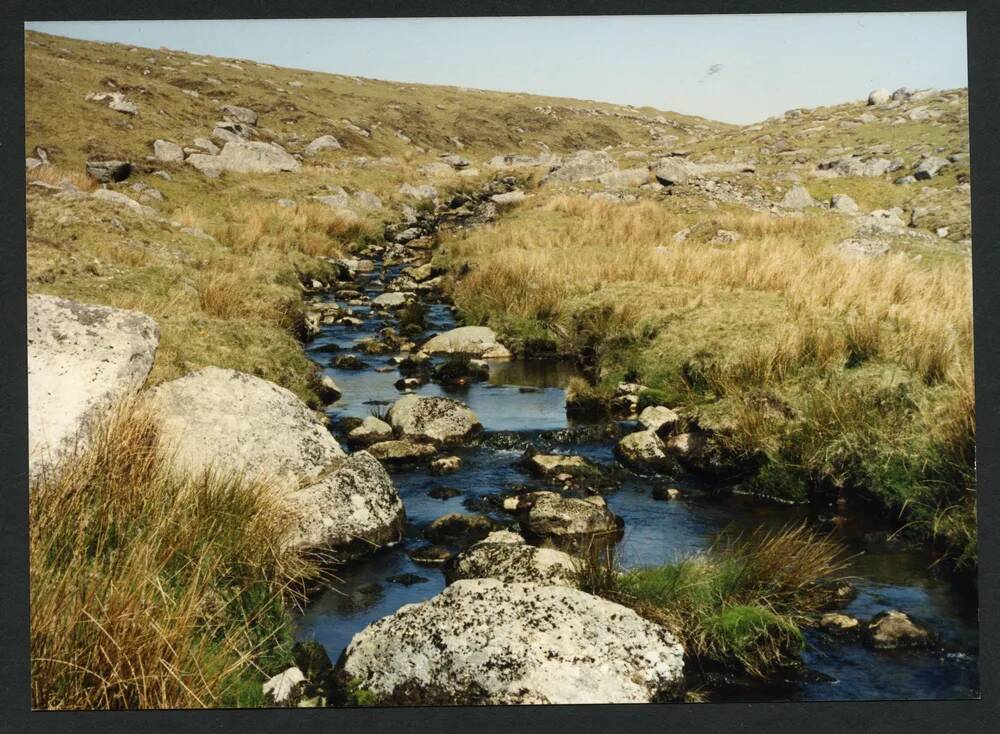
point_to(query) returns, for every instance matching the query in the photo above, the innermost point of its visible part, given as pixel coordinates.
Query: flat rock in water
(552, 515)
(402, 451)
(440, 421)
(556, 645)
(227, 420)
(81, 359)
(470, 341)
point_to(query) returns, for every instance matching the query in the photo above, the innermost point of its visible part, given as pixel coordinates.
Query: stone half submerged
(555, 645)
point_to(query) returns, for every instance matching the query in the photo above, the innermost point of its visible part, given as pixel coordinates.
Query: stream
(525, 398)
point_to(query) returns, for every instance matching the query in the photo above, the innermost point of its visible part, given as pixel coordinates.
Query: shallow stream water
(525, 398)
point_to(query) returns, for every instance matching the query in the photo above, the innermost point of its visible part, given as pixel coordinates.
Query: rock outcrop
(556, 645)
(243, 156)
(81, 359)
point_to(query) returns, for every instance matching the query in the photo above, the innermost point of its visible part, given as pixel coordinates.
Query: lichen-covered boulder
(230, 421)
(555, 645)
(644, 451)
(659, 418)
(372, 430)
(505, 556)
(550, 515)
(583, 165)
(440, 421)
(402, 451)
(81, 359)
(352, 509)
(470, 341)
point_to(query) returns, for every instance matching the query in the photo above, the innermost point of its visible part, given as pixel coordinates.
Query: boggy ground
(827, 352)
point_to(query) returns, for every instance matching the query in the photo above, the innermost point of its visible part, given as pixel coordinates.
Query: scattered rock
(505, 556)
(584, 165)
(644, 451)
(551, 515)
(241, 156)
(845, 204)
(109, 171)
(659, 419)
(164, 150)
(284, 688)
(116, 101)
(470, 341)
(353, 509)
(225, 420)
(430, 555)
(323, 142)
(839, 624)
(892, 630)
(402, 451)
(457, 528)
(441, 421)
(556, 645)
(372, 430)
(242, 115)
(879, 96)
(798, 198)
(446, 465)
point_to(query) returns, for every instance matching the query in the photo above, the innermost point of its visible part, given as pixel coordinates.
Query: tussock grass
(56, 176)
(312, 229)
(740, 604)
(836, 371)
(150, 589)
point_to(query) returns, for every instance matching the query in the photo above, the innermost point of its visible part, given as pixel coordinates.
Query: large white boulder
(244, 156)
(230, 421)
(555, 645)
(81, 359)
(440, 421)
(470, 341)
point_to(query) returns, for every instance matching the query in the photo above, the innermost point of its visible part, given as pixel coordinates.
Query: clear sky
(735, 68)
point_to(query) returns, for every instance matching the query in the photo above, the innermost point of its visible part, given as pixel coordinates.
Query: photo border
(983, 27)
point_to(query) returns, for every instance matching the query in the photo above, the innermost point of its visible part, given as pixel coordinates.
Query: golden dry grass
(150, 589)
(55, 176)
(891, 307)
(312, 229)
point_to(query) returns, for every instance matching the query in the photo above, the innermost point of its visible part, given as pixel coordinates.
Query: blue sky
(735, 68)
